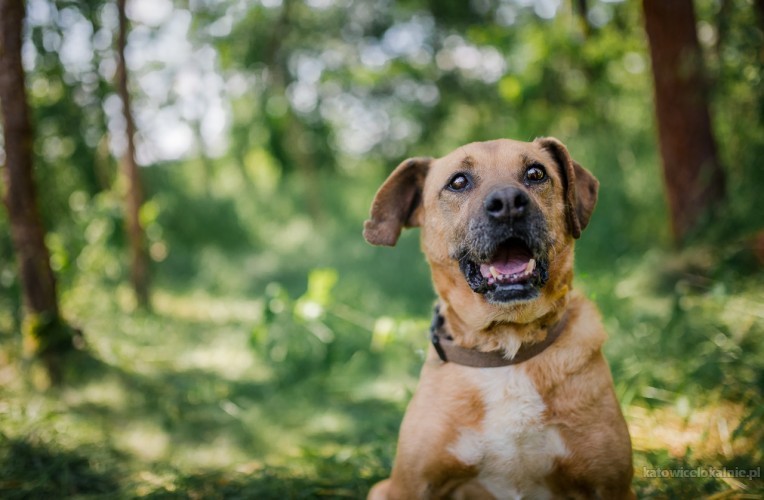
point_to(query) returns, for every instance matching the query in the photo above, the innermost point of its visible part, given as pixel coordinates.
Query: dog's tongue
(509, 261)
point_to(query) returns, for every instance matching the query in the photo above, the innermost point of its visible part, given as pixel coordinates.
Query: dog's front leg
(425, 467)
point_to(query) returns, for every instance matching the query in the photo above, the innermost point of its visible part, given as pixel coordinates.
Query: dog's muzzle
(504, 254)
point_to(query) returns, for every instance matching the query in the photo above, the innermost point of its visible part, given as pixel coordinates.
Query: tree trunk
(139, 262)
(582, 8)
(284, 130)
(694, 178)
(45, 334)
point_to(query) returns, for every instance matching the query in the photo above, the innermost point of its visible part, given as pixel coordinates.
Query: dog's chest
(513, 448)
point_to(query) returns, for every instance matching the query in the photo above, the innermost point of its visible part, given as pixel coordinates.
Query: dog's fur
(549, 427)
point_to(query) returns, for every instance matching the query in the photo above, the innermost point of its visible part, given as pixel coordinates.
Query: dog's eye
(535, 174)
(459, 182)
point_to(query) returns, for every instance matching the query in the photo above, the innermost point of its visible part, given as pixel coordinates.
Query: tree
(46, 335)
(139, 261)
(284, 129)
(695, 181)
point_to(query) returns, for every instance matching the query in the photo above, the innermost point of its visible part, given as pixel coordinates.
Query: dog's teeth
(531, 266)
(496, 274)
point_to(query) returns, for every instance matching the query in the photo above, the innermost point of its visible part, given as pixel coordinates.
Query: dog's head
(498, 222)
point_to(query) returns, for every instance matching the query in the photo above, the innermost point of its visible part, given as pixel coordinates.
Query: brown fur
(571, 376)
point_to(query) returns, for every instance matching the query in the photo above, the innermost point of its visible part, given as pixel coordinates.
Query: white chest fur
(513, 448)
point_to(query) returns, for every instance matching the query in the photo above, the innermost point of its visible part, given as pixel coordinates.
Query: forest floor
(189, 401)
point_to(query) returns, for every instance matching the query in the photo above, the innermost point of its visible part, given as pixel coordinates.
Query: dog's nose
(506, 203)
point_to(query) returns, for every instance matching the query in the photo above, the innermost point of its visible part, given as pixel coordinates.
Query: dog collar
(450, 352)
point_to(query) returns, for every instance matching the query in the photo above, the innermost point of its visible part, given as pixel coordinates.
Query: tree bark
(139, 262)
(694, 178)
(45, 333)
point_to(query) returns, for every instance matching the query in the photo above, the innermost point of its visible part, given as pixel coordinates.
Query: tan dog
(498, 221)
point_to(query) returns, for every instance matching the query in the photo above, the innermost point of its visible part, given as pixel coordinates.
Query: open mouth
(513, 272)
(513, 263)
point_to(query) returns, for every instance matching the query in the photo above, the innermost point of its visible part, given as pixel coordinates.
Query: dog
(515, 399)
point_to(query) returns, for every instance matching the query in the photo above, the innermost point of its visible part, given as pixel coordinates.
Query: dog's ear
(398, 203)
(580, 186)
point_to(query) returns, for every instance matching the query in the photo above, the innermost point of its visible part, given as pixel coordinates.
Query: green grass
(283, 370)
(178, 401)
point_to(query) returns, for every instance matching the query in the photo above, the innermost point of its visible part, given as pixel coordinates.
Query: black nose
(506, 203)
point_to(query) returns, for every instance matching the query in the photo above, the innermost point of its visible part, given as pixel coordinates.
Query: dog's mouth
(513, 263)
(513, 272)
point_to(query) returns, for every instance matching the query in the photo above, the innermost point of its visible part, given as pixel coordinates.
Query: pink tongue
(509, 267)
(511, 261)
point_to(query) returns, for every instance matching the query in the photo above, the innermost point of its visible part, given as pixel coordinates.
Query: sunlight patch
(706, 431)
(144, 439)
(230, 359)
(329, 422)
(387, 390)
(106, 392)
(204, 308)
(221, 452)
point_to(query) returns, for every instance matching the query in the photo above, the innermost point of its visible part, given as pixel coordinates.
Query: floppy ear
(580, 186)
(398, 203)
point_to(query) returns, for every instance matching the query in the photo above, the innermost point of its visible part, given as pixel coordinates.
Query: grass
(283, 371)
(177, 401)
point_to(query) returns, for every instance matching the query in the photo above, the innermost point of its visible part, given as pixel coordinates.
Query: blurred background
(233, 334)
